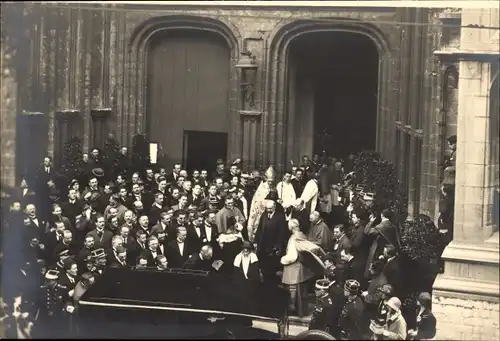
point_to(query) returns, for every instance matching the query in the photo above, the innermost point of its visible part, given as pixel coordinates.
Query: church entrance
(333, 93)
(189, 89)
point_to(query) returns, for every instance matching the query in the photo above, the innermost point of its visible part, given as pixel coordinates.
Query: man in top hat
(322, 314)
(352, 321)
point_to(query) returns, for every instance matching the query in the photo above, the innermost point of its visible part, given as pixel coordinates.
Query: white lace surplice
(257, 208)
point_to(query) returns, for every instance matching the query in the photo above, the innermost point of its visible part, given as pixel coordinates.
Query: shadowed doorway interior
(203, 148)
(333, 93)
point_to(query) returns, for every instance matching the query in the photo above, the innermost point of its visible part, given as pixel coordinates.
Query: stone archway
(275, 133)
(136, 93)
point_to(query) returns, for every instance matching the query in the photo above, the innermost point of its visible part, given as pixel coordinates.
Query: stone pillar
(99, 126)
(250, 128)
(466, 296)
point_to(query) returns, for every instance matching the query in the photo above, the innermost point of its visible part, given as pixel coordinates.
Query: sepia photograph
(270, 170)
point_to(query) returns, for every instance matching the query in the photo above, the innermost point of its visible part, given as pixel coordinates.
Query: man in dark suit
(51, 240)
(342, 250)
(202, 261)
(152, 250)
(298, 182)
(383, 234)
(118, 258)
(195, 232)
(101, 236)
(162, 229)
(138, 247)
(172, 177)
(392, 270)
(179, 250)
(25, 194)
(271, 237)
(210, 233)
(44, 173)
(72, 207)
(196, 196)
(69, 278)
(66, 244)
(128, 241)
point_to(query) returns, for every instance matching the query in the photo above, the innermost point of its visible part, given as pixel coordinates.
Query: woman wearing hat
(246, 263)
(394, 326)
(426, 322)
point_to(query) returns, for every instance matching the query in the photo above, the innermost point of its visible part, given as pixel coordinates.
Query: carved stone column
(66, 127)
(470, 285)
(250, 128)
(99, 126)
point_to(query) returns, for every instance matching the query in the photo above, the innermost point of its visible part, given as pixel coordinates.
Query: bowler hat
(98, 172)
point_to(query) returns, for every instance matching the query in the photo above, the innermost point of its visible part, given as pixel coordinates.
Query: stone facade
(466, 296)
(83, 58)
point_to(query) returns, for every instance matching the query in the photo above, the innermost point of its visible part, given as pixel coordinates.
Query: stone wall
(8, 109)
(461, 319)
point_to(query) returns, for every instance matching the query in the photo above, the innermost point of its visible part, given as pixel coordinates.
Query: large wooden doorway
(188, 89)
(333, 87)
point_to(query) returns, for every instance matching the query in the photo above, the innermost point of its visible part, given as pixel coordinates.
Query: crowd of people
(301, 231)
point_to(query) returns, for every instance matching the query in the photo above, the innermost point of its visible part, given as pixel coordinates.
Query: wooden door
(188, 89)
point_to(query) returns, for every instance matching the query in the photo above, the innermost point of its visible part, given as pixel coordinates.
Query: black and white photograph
(270, 170)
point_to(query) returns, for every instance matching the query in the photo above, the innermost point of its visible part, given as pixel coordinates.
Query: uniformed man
(322, 313)
(51, 306)
(352, 322)
(99, 262)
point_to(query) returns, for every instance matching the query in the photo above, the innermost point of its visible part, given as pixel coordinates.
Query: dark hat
(352, 286)
(120, 249)
(198, 215)
(219, 162)
(231, 221)
(331, 273)
(52, 274)
(98, 172)
(247, 245)
(68, 262)
(98, 254)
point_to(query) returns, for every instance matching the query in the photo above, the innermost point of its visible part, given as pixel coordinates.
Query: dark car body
(147, 303)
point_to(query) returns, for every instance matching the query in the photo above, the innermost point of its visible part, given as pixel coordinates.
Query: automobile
(178, 304)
